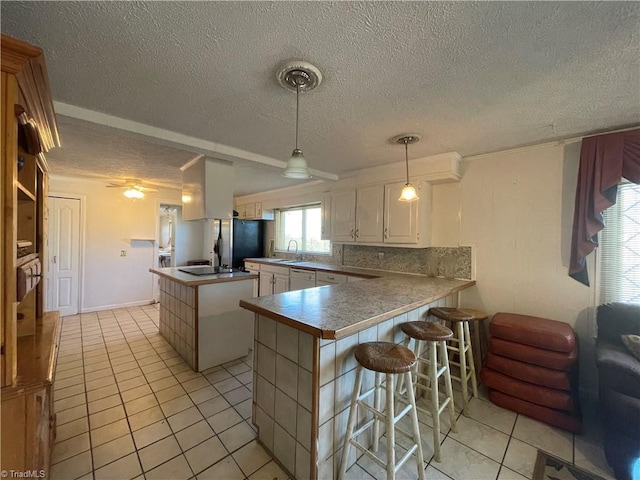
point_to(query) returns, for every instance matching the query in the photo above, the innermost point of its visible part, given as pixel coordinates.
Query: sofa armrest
(618, 369)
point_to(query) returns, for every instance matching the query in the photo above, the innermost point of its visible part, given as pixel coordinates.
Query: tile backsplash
(448, 262)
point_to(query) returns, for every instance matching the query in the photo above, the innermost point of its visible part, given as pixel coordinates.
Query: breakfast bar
(304, 366)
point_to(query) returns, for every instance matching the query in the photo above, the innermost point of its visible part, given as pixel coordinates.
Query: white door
(370, 204)
(343, 212)
(64, 255)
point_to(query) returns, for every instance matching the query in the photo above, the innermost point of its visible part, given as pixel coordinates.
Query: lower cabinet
(273, 279)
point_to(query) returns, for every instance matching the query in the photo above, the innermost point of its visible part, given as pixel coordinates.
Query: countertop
(335, 311)
(195, 280)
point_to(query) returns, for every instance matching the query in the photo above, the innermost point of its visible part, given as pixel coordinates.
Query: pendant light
(299, 76)
(408, 193)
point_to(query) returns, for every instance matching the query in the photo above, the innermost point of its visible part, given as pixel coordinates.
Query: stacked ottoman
(532, 368)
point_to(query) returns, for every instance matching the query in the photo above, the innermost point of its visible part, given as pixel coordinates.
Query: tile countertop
(335, 311)
(195, 280)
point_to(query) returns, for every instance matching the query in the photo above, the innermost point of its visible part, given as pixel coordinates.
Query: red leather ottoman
(532, 368)
(558, 418)
(537, 356)
(533, 331)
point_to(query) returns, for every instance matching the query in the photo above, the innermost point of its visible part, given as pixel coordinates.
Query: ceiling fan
(133, 188)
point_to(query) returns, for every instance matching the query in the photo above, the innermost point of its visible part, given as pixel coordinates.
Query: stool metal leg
(447, 383)
(391, 431)
(415, 425)
(353, 415)
(472, 368)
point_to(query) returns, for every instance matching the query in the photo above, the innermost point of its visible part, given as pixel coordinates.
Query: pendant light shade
(299, 76)
(408, 193)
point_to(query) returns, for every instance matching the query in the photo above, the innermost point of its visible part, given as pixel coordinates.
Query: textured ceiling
(472, 77)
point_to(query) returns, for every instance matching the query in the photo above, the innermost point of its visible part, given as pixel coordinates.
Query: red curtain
(604, 161)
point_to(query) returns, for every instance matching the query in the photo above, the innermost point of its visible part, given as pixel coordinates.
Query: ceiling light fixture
(298, 76)
(133, 193)
(408, 193)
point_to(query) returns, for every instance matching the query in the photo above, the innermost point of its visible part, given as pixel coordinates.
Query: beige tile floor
(128, 407)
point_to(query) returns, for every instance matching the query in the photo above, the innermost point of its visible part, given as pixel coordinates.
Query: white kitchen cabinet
(325, 233)
(343, 216)
(273, 279)
(369, 210)
(356, 215)
(253, 211)
(407, 222)
(254, 268)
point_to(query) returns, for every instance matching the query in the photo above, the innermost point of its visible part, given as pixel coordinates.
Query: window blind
(619, 256)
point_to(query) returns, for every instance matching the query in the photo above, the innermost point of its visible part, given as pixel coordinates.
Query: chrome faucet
(298, 257)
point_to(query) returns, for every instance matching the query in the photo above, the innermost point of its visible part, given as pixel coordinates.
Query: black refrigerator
(236, 240)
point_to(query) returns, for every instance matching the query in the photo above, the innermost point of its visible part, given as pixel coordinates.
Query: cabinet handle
(55, 259)
(351, 233)
(357, 235)
(386, 233)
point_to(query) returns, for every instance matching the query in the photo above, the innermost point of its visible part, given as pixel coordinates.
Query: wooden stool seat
(385, 357)
(427, 331)
(449, 314)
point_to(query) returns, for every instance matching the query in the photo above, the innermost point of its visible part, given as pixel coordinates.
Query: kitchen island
(200, 316)
(304, 366)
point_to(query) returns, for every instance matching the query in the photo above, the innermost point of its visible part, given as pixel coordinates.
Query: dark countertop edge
(351, 329)
(205, 279)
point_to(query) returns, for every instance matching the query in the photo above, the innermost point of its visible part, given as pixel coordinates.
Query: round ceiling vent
(299, 74)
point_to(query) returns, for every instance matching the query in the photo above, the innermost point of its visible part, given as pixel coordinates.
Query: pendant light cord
(406, 156)
(297, 110)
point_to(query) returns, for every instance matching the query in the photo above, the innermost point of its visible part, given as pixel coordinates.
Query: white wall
(110, 222)
(516, 208)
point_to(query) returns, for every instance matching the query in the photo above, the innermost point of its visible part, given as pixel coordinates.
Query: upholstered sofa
(619, 379)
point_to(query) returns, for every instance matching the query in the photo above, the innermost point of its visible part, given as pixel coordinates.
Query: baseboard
(120, 305)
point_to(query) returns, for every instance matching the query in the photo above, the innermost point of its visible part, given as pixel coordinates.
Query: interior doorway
(168, 223)
(63, 256)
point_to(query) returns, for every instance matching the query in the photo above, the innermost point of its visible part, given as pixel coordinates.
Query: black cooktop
(206, 270)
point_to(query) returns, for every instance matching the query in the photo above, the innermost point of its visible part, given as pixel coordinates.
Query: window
(620, 248)
(302, 225)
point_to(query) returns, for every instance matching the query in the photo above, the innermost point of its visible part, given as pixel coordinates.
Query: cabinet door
(325, 233)
(343, 213)
(258, 210)
(370, 205)
(250, 210)
(280, 283)
(266, 284)
(241, 211)
(400, 218)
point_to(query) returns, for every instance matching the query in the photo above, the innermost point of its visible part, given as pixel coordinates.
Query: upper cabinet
(343, 216)
(373, 215)
(253, 211)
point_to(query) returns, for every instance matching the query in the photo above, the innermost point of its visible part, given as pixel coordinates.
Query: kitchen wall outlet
(380, 255)
(123, 253)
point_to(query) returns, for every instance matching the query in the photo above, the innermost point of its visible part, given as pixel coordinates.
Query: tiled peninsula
(304, 366)
(200, 316)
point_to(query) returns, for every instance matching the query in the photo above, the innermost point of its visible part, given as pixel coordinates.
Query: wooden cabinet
(253, 211)
(343, 216)
(273, 279)
(356, 215)
(369, 209)
(29, 336)
(407, 222)
(325, 232)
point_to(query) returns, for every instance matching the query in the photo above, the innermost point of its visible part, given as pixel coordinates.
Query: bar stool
(428, 338)
(392, 360)
(461, 318)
